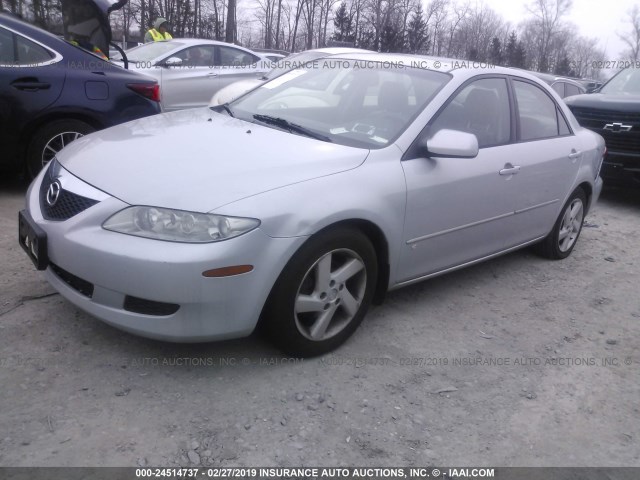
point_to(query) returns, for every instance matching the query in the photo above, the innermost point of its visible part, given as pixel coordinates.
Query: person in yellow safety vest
(158, 32)
(90, 47)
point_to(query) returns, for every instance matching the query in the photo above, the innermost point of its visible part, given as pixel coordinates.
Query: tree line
(546, 40)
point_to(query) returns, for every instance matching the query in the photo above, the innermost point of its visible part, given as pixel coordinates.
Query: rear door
(233, 64)
(31, 79)
(548, 155)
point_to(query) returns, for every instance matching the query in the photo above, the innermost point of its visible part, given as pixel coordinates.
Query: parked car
(302, 217)
(53, 92)
(614, 113)
(565, 87)
(234, 90)
(190, 71)
(591, 85)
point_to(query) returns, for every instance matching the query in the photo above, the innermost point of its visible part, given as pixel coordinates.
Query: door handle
(30, 86)
(574, 154)
(510, 169)
(212, 74)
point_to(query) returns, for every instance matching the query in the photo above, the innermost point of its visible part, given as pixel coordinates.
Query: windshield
(149, 52)
(293, 61)
(357, 103)
(627, 82)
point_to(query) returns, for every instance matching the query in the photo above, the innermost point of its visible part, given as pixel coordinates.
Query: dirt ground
(519, 361)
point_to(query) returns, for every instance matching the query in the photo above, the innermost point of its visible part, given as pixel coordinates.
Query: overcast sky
(601, 19)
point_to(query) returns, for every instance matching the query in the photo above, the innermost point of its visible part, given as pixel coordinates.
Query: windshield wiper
(227, 109)
(292, 127)
(224, 106)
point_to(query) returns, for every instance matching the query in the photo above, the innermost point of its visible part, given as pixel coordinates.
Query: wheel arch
(587, 188)
(380, 244)
(43, 120)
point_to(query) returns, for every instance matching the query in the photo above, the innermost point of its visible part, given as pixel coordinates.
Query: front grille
(78, 284)
(621, 142)
(66, 206)
(595, 120)
(149, 307)
(603, 117)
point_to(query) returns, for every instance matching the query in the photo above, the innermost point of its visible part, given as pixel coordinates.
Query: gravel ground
(518, 361)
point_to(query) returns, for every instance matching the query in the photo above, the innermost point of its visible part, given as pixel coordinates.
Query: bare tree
(585, 54)
(437, 16)
(632, 39)
(230, 34)
(266, 17)
(458, 19)
(309, 14)
(300, 5)
(547, 20)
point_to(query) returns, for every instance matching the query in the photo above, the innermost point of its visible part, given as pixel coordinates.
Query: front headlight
(178, 225)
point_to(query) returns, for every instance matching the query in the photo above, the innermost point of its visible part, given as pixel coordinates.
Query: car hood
(199, 160)
(604, 101)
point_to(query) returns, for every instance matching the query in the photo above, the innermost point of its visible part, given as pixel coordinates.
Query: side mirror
(452, 144)
(173, 62)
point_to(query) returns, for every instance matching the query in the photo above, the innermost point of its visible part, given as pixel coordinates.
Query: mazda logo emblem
(53, 193)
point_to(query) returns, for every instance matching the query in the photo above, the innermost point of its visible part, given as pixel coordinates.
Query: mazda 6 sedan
(299, 204)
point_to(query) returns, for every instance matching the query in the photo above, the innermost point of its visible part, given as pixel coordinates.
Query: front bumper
(119, 267)
(621, 169)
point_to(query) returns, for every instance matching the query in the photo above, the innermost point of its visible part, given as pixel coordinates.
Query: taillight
(147, 90)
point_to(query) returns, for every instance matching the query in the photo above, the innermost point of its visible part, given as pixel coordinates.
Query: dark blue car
(54, 90)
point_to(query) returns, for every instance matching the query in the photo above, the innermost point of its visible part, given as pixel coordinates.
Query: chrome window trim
(56, 56)
(73, 184)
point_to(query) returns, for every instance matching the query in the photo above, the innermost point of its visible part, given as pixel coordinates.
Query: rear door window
(571, 90)
(16, 50)
(234, 57)
(538, 113)
(559, 88)
(30, 53)
(7, 56)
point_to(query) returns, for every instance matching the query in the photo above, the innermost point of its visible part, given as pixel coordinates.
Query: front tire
(50, 139)
(323, 293)
(563, 238)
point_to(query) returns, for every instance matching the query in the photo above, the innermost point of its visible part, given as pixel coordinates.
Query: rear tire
(50, 139)
(563, 238)
(323, 293)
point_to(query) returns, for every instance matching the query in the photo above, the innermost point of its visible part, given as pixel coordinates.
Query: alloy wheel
(57, 143)
(571, 225)
(330, 294)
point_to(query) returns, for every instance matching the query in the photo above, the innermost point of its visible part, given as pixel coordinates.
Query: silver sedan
(304, 201)
(190, 71)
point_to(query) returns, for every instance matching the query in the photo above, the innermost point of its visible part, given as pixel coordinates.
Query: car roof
(190, 42)
(337, 50)
(202, 41)
(550, 78)
(13, 22)
(426, 62)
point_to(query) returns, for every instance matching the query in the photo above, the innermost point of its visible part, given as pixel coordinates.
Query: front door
(459, 209)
